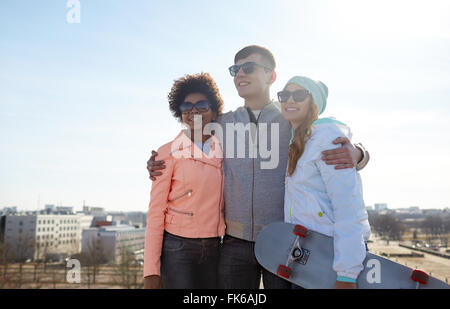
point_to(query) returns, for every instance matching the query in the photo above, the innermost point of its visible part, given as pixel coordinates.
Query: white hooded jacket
(329, 201)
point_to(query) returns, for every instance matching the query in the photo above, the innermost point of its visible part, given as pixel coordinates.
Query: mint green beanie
(318, 90)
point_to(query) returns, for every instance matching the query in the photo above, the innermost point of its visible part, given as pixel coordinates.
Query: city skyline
(106, 210)
(83, 103)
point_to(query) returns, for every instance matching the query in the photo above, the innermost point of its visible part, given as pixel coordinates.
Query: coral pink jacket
(187, 199)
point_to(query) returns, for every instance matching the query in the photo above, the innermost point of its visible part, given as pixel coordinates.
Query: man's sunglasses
(247, 68)
(298, 95)
(200, 106)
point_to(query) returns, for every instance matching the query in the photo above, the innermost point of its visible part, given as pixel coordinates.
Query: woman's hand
(152, 282)
(153, 166)
(344, 285)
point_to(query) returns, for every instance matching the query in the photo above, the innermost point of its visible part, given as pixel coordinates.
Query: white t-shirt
(205, 147)
(256, 113)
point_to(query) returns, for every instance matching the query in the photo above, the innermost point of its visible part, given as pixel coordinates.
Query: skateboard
(305, 258)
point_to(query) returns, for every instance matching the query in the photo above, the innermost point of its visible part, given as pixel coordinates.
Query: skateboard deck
(305, 258)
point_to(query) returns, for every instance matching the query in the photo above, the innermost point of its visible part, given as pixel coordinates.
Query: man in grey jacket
(255, 141)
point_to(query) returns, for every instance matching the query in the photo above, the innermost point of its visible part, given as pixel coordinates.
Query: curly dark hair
(196, 83)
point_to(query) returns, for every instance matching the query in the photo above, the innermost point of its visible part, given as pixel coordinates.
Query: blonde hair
(301, 135)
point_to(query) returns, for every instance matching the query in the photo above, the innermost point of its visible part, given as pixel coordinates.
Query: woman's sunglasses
(298, 95)
(200, 106)
(247, 68)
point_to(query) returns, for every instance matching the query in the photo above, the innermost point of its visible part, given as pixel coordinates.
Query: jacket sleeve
(350, 217)
(155, 219)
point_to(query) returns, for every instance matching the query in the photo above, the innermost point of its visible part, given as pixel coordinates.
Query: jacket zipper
(253, 189)
(253, 167)
(221, 194)
(290, 202)
(257, 151)
(182, 195)
(181, 212)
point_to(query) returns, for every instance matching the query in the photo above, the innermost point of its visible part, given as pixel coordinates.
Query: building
(410, 211)
(52, 209)
(433, 212)
(380, 207)
(32, 235)
(111, 241)
(137, 218)
(9, 210)
(94, 211)
(2, 227)
(118, 218)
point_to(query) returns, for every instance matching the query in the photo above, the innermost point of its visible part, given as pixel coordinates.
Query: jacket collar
(183, 147)
(269, 112)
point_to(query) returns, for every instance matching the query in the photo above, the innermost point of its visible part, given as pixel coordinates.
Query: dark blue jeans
(188, 263)
(239, 269)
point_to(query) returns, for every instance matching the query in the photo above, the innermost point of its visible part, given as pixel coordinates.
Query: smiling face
(188, 118)
(296, 112)
(255, 84)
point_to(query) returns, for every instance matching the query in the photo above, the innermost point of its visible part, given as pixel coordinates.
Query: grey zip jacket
(254, 180)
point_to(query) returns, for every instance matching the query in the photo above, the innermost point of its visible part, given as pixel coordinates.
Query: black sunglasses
(298, 95)
(200, 106)
(247, 68)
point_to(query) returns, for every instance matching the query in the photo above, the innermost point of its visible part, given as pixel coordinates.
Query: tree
(127, 270)
(433, 225)
(22, 250)
(5, 253)
(386, 225)
(93, 257)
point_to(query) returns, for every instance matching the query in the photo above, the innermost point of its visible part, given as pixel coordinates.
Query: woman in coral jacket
(185, 220)
(318, 196)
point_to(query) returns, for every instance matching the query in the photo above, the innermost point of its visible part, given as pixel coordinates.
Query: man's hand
(344, 285)
(152, 282)
(153, 166)
(345, 157)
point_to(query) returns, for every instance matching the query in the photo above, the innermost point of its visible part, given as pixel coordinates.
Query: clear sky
(83, 104)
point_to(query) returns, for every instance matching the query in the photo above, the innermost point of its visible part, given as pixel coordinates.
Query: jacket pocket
(187, 213)
(187, 193)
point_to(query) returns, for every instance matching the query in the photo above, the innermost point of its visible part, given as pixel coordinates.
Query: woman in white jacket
(318, 196)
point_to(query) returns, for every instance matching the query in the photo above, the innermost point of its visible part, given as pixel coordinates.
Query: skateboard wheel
(419, 276)
(300, 230)
(284, 271)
